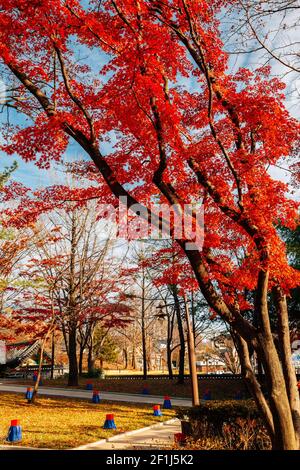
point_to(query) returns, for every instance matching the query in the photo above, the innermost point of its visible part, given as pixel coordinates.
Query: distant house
(211, 366)
(2, 352)
(27, 352)
(22, 359)
(15, 354)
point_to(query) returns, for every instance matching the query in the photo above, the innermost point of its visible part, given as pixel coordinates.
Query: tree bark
(169, 361)
(91, 360)
(52, 355)
(36, 385)
(285, 438)
(170, 329)
(253, 385)
(284, 432)
(73, 366)
(192, 356)
(80, 361)
(125, 355)
(143, 326)
(72, 321)
(286, 357)
(181, 335)
(38, 379)
(133, 358)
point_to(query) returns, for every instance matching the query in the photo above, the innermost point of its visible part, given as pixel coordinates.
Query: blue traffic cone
(167, 403)
(96, 397)
(109, 422)
(156, 410)
(29, 393)
(14, 431)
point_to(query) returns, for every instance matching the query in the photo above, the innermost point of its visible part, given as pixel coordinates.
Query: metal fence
(186, 376)
(28, 371)
(166, 377)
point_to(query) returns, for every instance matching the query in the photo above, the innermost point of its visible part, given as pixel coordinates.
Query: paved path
(158, 436)
(111, 396)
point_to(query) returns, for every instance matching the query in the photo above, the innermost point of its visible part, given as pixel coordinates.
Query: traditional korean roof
(16, 353)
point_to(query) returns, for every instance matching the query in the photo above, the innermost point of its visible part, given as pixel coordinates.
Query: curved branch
(72, 95)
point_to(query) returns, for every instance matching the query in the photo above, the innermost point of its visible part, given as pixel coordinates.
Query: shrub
(94, 374)
(229, 424)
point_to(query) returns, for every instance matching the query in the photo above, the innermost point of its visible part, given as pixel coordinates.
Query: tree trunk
(80, 361)
(73, 366)
(169, 360)
(133, 358)
(253, 384)
(145, 368)
(52, 355)
(261, 339)
(286, 358)
(192, 356)
(284, 432)
(144, 346)
(72, 320)
(125, 355)
(170, 328)
(91, 361)
(181, 336)
(193, 315)
(36, 385)
(181, 351)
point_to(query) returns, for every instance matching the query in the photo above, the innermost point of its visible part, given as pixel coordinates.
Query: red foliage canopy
(157, 92)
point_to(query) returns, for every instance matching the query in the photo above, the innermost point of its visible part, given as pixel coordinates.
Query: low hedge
(94, 374)
(237, 424)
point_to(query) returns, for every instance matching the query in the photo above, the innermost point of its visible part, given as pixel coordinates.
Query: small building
(22, 360)
(2, 352)
(210, 365)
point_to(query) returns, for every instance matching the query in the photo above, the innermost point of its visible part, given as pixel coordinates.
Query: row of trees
(66, 277)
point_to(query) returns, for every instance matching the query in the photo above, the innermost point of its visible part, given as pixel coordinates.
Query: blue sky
(27, 172)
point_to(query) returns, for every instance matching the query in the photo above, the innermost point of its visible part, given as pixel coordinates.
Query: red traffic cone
(156, 410)
(109, 422)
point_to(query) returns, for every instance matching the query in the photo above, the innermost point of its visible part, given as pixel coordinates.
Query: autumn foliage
(155, 106)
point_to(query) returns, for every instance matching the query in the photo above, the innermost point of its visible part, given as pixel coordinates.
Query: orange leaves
(233, 125)
(12, 190)
(43, 142)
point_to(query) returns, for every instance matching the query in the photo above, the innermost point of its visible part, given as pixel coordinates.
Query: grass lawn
(221, 389)
(60, 423)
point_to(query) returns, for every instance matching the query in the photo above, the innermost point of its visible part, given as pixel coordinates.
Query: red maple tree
(182, 127)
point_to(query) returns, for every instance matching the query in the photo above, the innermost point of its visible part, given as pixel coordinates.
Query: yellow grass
(60, 423)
